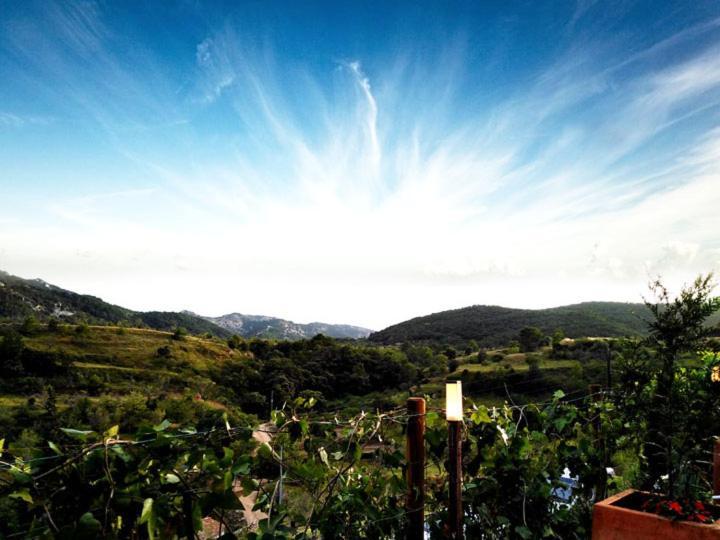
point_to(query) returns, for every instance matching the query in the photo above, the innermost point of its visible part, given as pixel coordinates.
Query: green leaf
(481, 416)
(559, 394)
(241, 469)
(162, 426)
(323, 456)
(2, 446)
(22, 494)
(249, 485)
(147, 510)
(278, 417)
(171, 478)
(265, 451)
(112, 432)
(21, 478)
(357, 452)
(523, 531)
(78, 434)
(88, 526)
(119, 451)
(432, 419)
(54, 447)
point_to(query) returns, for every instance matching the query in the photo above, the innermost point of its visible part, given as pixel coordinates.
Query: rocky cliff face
(273, 327)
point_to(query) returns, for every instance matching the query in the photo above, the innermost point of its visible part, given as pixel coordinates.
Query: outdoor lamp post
(454, 416)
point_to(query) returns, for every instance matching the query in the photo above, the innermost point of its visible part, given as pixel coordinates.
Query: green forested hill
(122, 368)
(494, 325)
(20, 298)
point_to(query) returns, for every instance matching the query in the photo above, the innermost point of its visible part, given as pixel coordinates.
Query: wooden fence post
(455, 510)
(716, 467)
(415, 453)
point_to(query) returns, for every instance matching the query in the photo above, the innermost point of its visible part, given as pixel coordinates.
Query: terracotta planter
(615, 519)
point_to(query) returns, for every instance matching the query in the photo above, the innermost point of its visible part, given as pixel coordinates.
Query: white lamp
(453, 402)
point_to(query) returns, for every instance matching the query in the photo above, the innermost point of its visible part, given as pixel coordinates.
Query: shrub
(82, 329)
(179, 333)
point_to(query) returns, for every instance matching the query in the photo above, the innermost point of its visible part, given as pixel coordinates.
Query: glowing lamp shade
(453, 401)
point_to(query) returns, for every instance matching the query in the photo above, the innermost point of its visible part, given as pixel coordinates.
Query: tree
(530, 338)
(11, 350)
(678, 327)
(179, 333)
(82, 328)
(557, 336)
(29, 325)
(234, 341)
(50, 406)
(53, 325)
(533, 363)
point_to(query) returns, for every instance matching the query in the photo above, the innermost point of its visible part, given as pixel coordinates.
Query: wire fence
(398, 416)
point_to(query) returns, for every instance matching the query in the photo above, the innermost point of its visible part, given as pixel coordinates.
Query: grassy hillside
(495, 326)
(115, 361)
(135, 374)
(21, 298)
(133, 347)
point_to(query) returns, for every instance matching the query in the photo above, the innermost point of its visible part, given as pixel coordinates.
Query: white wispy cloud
(372, 112)
(336, 191)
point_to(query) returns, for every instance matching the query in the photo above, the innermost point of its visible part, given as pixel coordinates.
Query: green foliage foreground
(340, 478)
(315, 476)
(349, 476)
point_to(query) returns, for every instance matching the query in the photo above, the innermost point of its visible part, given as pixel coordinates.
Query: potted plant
(674, 425)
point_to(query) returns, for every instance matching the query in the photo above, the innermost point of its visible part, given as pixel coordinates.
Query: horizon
(356, 164)
(340, 323)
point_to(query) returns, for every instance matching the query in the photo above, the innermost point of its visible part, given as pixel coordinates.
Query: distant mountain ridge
(20, 298)
(495, 325)
(273, 327)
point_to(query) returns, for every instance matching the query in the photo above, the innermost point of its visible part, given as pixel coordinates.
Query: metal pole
(455, 511)
(415, 453)
(282, 475)
(601, 488)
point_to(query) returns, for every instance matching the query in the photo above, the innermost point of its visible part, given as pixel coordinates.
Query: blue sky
(359, 162)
